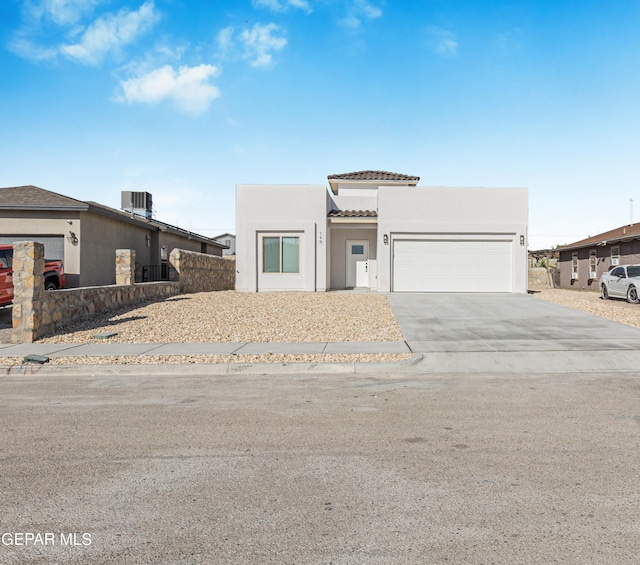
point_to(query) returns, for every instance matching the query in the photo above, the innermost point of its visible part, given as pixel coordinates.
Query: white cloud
(259, 42)
(359, 11)
(29, 50)
(188, 87)
(282, 5)
(225, 39)
(110, 32)
(443, 42)
(66, 12)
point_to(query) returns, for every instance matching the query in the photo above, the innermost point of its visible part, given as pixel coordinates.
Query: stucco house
(581, 263)
(85, 235)
(381, 231)
(229, 240)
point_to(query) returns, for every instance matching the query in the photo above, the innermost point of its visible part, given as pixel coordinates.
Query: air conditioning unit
(614, 261)
(592, 275)
(574, 276)
(140, 203)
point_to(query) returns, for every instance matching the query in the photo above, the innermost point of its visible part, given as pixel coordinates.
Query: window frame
(615, 256)
(593, 261)
(574, 263)
(283, 259)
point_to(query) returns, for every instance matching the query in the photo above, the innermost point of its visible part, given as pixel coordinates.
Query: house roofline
(47, 207)
(599, 243)
(147, 223)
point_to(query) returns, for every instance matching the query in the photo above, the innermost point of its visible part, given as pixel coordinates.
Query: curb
(204, 369)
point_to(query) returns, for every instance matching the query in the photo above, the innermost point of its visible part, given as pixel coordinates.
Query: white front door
(357, 250)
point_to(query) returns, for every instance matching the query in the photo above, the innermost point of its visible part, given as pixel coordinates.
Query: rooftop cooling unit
(139, 203)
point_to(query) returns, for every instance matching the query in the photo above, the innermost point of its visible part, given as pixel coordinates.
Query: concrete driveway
(457, 329)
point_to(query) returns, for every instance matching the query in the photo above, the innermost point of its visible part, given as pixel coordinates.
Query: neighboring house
(581, 263)
(229, 240)
(379, 230)
(85, 235)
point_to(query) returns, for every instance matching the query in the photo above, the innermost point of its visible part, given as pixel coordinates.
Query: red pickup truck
(53, 274)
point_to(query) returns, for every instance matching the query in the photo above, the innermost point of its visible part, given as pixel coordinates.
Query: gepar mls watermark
(41, 539)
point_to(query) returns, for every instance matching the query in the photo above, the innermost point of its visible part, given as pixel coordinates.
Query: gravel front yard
(230, 317)
(590, 301)
(278, 317)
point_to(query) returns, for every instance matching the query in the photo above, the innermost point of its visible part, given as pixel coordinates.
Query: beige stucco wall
(100, 237)
(339, 234)
(47, 223)
(173, 241)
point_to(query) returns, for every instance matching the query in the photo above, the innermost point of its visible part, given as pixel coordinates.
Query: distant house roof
(623, 233)
(353, 214)
(376, 176)
(224, 236)
(35, 198)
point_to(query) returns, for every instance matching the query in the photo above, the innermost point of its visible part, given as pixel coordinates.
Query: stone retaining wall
(37, 313)
(540, 278)
(203, 273)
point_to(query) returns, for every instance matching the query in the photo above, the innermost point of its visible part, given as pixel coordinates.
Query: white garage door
(53, 245)
(452, 266)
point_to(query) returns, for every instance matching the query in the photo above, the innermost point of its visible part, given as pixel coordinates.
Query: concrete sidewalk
(263, 348)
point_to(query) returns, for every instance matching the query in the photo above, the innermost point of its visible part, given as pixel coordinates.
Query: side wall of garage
(452, 239)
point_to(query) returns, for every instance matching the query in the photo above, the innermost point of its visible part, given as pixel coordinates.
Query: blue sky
(187, 98)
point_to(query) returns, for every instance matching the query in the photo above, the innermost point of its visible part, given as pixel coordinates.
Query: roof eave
(43, 207)
(353, 220)
(378, 182)
(598, 243)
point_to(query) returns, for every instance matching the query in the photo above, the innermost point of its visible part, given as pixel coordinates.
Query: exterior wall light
(72, 238)
(385, 239)
(522, 240)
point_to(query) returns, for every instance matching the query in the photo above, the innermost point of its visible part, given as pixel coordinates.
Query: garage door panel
(53, 245)
(452, 266)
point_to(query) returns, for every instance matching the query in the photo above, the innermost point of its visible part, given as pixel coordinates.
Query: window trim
(282, 249)
(593, 262)
(615, 256)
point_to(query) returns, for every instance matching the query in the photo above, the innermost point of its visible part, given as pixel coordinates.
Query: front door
(357, 250)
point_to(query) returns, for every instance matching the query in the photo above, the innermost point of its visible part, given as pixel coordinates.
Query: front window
(615, 255)
(593, 263)
(281, 254)
(574, 263)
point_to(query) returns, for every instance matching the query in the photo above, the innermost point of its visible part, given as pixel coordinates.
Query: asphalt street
(343, 469)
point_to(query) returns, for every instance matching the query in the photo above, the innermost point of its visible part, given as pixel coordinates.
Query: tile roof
(30, 197)
(353, 214)
(622, 233)
(374, 175)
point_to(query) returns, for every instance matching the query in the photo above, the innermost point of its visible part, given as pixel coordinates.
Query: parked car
(53, 274)
(621, 282)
